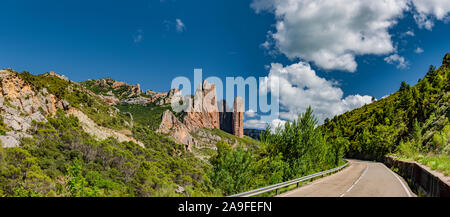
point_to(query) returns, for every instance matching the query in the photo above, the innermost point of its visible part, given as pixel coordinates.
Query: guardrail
(287, 183)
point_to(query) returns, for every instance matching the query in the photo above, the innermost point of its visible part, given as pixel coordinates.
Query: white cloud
(428, 10)
(332, 32)
(395, 59)
(250, 113)
(180, 25)
(299, 87)
(409, 33)
(254, 124)
(258, 124)
(418, 50)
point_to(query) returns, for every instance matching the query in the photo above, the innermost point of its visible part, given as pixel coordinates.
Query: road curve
(359, 179)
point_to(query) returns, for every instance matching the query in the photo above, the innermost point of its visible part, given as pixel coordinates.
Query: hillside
(98, 138)
(411, 123)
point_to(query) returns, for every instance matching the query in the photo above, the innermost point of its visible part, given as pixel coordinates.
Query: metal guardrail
(287, 183)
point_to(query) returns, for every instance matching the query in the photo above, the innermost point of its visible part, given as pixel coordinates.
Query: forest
(412, 123)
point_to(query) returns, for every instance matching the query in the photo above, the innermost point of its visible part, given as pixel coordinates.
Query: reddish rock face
(203, 110)
(238, 117)
(171, 125)
(225, 117)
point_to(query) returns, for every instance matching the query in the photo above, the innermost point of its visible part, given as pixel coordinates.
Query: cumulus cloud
(418, 50)
(331, 33)
(395, 59)
(298, 87)
(255, 124)
(180, 27)
(426, 11)
(409, 33)
(250, 113)
(258, 124)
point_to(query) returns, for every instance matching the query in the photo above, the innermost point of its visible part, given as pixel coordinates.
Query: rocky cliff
(203, 111)
(238, 117)
(225, 117)
(178, 131)
(21, 104)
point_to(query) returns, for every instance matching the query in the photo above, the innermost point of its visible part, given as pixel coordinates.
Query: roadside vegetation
(294, 150)
(412, 123)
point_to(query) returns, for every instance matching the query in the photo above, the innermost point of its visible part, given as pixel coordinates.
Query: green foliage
(77, 184)
(232, 169)
(411, 122)
(146, 115)
(62, 160)
(296, 150)
(21, 176)
(302, 146)
(2, 127)
(244, 141)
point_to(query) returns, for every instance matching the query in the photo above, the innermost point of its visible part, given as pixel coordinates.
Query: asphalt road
(359, 179)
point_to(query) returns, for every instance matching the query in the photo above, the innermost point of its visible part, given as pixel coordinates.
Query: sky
(334, 55)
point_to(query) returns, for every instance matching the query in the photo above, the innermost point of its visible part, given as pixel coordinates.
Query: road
(359, 179)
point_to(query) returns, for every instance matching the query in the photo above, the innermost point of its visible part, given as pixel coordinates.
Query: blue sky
(141, 42)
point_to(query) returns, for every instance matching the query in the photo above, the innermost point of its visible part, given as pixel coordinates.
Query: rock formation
(225, 117)
(21, 104)
(238, 117)
(178, 131)
(203, 109)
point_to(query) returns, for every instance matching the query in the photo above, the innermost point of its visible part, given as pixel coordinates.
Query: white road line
(396, 176)
(367, 167)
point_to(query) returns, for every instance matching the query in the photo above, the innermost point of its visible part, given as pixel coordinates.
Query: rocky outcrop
(177, 130)
(238, 117)
(21, 104)
(203, 109)
(225, 117)
(232, 122)
(112, 91)
(52, 73)
(136, 101)
(111, 100)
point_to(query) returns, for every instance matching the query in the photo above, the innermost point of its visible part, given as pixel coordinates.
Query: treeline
(294, 150)
(414, 119)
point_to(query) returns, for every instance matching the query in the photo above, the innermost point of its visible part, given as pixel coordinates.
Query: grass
(147, 115)
(247, 141)
(439, 163)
